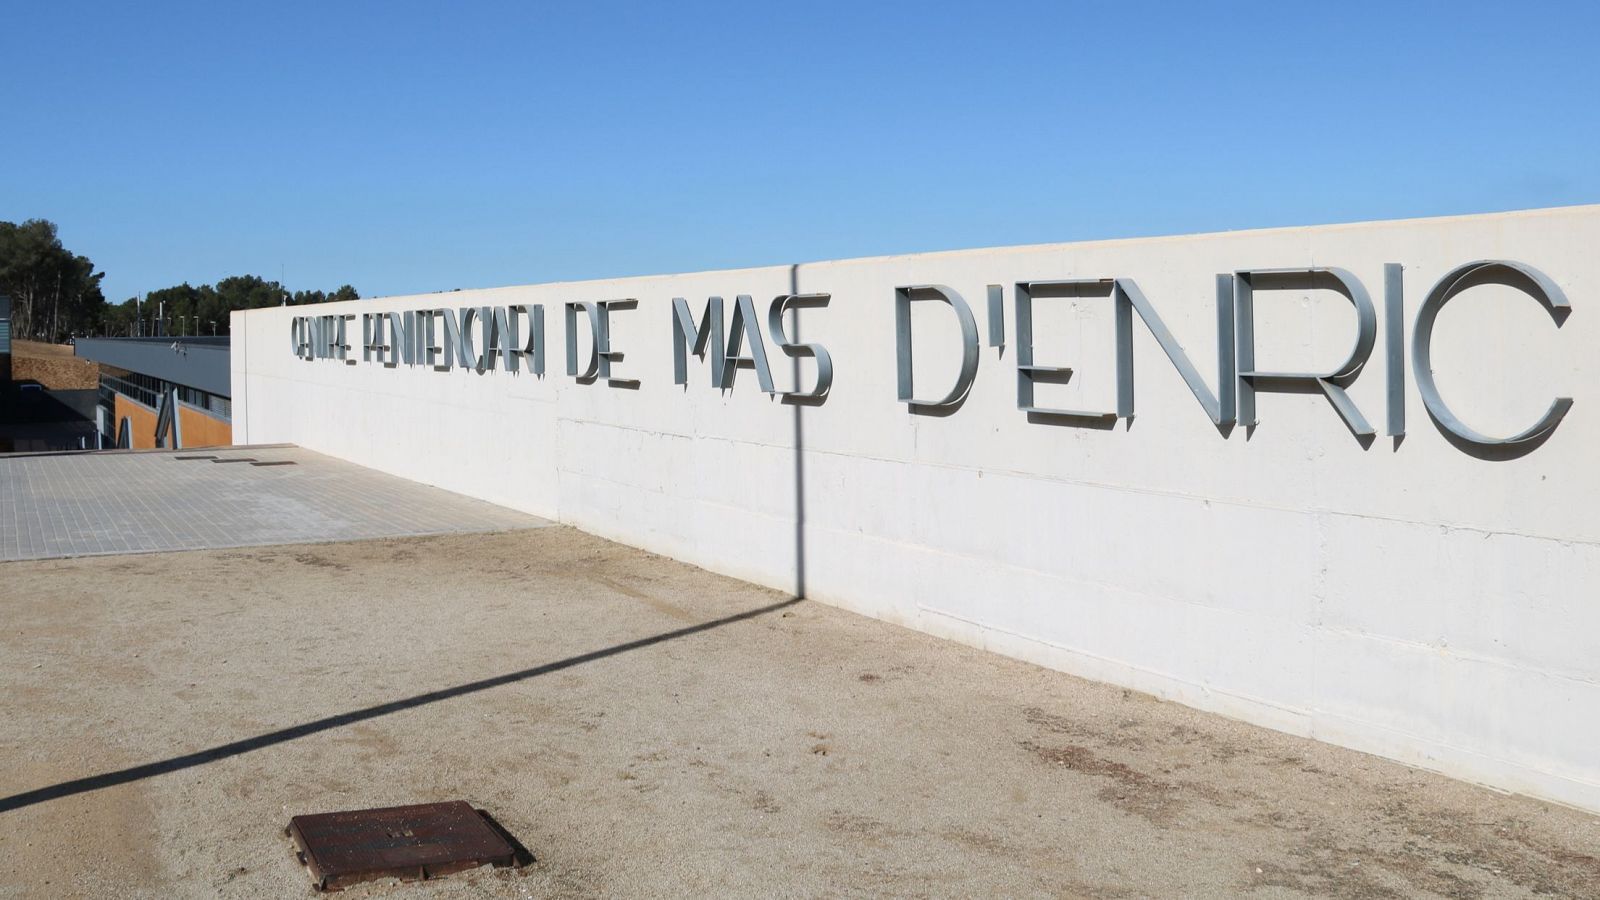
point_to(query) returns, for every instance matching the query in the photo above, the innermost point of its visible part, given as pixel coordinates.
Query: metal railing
(110, 384)
(148, 391)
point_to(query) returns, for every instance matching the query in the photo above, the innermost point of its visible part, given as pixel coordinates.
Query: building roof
(196, 362)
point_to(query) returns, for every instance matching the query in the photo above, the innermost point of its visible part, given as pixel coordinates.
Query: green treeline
(55, 294)
(53, 290)
(203, 310)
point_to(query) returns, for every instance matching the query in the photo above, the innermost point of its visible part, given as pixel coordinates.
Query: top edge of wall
(1003, 249)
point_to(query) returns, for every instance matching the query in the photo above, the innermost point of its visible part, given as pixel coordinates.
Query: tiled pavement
(81, 504)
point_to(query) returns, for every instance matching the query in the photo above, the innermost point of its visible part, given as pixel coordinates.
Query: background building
(161, 391)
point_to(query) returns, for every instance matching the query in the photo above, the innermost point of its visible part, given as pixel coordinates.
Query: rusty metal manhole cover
(411, 843)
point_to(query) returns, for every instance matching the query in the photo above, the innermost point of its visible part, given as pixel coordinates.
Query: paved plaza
(82, 504)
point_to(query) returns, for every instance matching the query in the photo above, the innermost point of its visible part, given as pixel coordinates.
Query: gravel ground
(164, 716)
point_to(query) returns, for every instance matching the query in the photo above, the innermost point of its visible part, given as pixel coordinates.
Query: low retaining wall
(1359, 565)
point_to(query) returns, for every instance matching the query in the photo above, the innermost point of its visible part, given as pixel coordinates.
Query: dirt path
(798, 751)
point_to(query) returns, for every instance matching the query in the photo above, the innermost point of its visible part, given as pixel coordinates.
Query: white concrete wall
(1409, 600)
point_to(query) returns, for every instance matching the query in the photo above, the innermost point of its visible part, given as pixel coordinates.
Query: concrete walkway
(649, 730)
(83, 504)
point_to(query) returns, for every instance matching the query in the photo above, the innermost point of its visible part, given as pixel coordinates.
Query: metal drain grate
(275, 462)
(411, 843)
(248, 459)
(194, 457)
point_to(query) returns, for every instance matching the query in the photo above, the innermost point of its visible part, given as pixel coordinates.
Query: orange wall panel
(202, 430)
(198, 429)
(141, 423)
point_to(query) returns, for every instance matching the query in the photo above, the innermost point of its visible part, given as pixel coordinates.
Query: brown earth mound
(52, 365)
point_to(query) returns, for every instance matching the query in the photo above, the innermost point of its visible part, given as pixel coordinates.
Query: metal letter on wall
(450, 340)
(592, 367)
(609, 356)
(1128, 299)
(793, 349)
(1030, 374)
(601, 356)
(467, 354)
(488, 353)
(1394, 328)
(533, 349)
(372, 344)
(428, 337)
(344, 341)
(997, 316)
(312, 331)
(687, 339)
(1492, 271)
(403, 339)
(903, 298)
(457, 347)
(745, 324)
(1221, 407)
(499, 344)
(299, 337)
(1332, 384)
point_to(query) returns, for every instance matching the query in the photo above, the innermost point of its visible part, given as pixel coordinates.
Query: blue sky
(407, 147)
